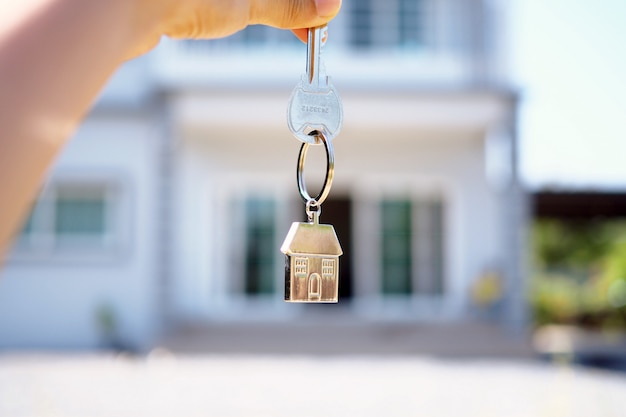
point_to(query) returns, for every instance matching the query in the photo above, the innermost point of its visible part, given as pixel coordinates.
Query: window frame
(44, 243)
(426, 247)
(395, 236)
(388, 19)
(253, 231)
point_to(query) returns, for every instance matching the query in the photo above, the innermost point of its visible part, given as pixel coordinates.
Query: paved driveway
(162, 384)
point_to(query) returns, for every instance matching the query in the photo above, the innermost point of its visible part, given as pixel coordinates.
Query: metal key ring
(330, 170)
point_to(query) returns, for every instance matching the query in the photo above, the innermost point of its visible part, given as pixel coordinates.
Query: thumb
(293, 14)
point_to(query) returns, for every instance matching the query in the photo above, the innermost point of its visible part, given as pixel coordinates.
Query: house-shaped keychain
(312, 263)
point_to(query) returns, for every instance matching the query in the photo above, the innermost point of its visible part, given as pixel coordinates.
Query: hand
(219, 18)
(55, 56)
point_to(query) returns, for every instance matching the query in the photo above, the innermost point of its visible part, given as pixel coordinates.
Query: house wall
(50, 296)
(398, 151)
(416, 123)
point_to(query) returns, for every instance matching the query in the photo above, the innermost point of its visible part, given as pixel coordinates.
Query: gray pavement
(311, 368)
(165, 384)
(335, 336)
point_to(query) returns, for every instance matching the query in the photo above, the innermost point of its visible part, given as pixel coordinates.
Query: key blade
(316, 40)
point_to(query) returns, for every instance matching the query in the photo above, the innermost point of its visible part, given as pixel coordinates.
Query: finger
(301, 34)
(290, 14)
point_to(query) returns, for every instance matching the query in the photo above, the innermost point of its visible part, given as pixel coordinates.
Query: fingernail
(326, 7)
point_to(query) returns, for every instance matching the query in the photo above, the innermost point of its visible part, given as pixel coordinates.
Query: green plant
(580, 273)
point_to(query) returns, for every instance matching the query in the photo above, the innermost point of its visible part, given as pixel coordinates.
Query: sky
(569, 60)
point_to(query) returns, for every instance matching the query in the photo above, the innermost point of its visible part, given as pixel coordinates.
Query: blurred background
(479, 197)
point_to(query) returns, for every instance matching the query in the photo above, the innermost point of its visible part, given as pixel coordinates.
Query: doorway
(337, 211)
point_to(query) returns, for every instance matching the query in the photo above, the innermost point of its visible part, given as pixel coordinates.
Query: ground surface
(332, 335)
(164, 384)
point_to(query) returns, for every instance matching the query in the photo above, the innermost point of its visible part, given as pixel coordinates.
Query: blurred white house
(171, 202)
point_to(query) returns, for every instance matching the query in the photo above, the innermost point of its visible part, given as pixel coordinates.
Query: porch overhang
(450, 111)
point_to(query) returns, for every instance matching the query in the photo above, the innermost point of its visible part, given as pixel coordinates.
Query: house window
(77, 216)
(260, 246)
(386, 24)
(328, 268)
(412, 247)
(361, 23)
(301, 267)
(80, 212)
(396, 247)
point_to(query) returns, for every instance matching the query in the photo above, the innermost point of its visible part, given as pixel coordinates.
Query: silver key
(314, 105)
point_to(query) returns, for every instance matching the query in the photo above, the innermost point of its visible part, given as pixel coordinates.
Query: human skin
(56, 55)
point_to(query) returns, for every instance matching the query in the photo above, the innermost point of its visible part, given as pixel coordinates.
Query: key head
(314, 109)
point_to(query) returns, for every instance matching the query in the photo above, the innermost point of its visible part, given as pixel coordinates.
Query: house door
(338, 212)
